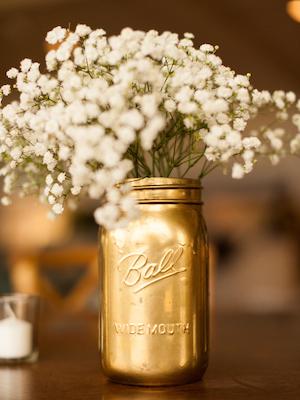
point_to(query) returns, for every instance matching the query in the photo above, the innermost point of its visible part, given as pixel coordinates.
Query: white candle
(15, 338)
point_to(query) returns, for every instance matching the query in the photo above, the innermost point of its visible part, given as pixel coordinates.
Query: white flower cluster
(278, 140)
(110, 107)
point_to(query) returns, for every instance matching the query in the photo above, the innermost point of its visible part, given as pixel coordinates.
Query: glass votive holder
(19, 319)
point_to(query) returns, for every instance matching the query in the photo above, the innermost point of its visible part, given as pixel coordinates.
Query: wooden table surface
(252, 357)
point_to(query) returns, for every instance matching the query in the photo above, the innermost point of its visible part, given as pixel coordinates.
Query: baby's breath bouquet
(138, 104)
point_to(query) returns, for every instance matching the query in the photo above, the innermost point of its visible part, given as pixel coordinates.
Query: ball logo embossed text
(140, 272)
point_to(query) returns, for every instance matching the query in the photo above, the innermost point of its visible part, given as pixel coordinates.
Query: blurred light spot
(293, 9)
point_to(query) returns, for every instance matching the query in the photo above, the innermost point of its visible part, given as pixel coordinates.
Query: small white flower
(214, 60)
(126, 134)
(204, 73)
(188, 107)
(56, 35)
(149, 105)
(291, 97)
(51, 126)
(184, 94)
(170, 105)
(239, 124)
(82, 30)
(224, 92)
(16, 153)
(57, 208)
(223, 118)
(248, 155)
(296, 120)
(251, 142)
(133, 118)
(63, 53)
(61, 177)
(202, 95)
(149, 133)
(113, 195)
(75, 190)
(186, 42)
(5, 89)
(64, 153)
(107, 215)
(295, 145)
(243, 95)
(5, 201)
(128, 204)
(51, 61)
(49, 160)
(57, 190)
(215, 106)
(12, 73)
(237, 171)
(233, 138)
(25, 65)
(279, 103)
(49, 180)
(207, 48)
(51, 199)
(34, 73)
(242, 80)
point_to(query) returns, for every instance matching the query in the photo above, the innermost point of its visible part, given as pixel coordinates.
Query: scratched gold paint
(154, 288)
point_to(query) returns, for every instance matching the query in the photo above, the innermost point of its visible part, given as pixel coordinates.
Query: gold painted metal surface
(154, 286)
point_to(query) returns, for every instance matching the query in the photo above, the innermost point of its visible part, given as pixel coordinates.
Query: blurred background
(254, 224)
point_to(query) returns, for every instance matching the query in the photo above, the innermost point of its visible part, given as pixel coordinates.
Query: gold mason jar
(154, 288)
